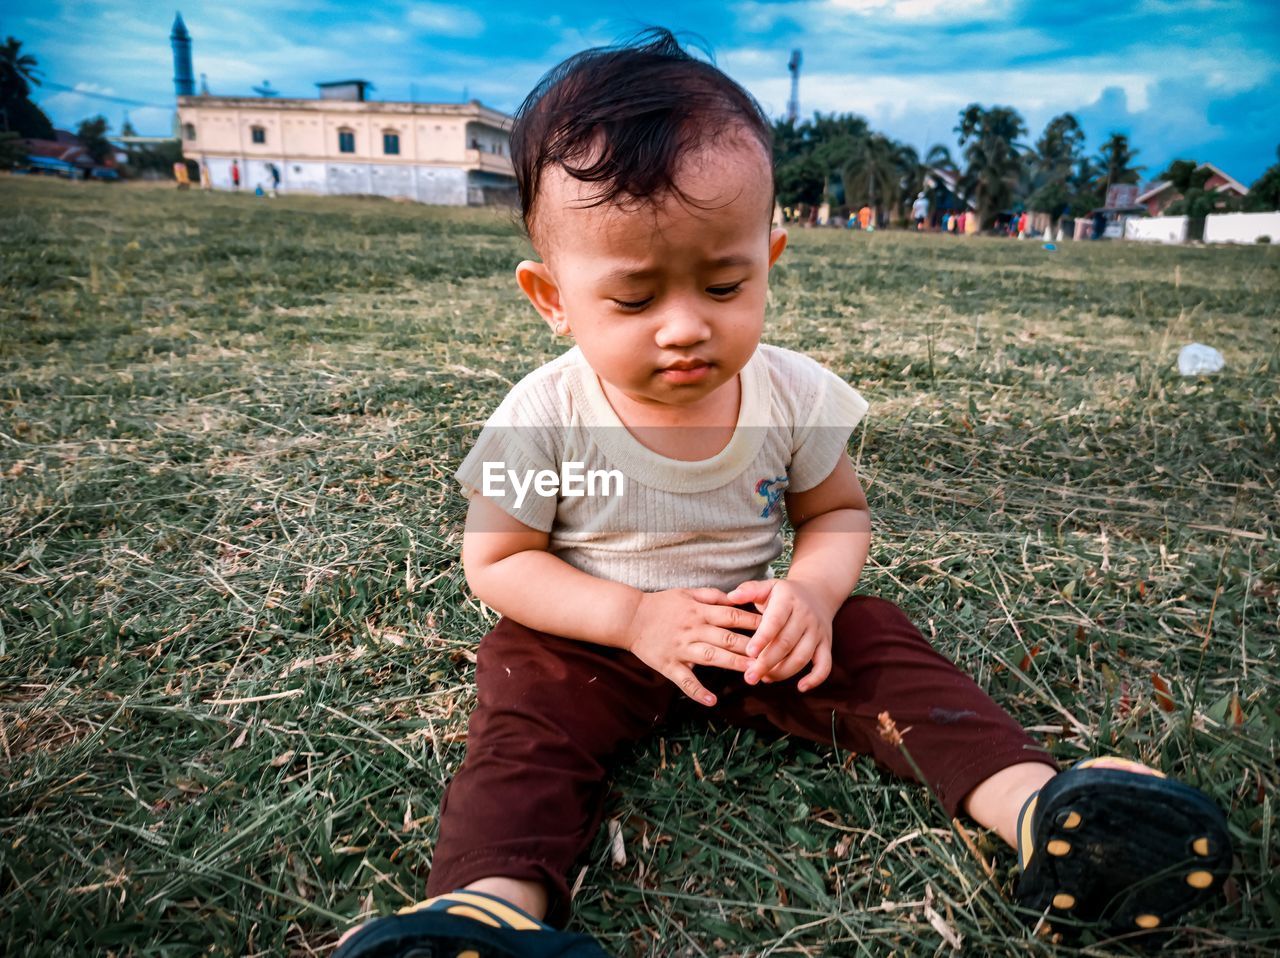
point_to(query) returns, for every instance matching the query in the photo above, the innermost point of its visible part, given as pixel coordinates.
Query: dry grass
(236, 647)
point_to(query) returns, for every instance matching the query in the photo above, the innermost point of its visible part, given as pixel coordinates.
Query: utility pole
(793, 105)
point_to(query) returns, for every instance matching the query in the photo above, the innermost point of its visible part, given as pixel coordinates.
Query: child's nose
(682, 325)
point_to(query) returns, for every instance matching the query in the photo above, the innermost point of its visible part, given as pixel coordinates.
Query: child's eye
(724, 290)
(633, 306)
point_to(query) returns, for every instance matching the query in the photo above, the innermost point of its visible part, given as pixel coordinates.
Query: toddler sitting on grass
(643, 591)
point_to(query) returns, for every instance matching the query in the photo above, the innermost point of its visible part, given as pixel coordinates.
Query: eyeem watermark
(574, 480)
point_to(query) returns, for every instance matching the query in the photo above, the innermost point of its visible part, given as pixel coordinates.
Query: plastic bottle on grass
(1197, 359)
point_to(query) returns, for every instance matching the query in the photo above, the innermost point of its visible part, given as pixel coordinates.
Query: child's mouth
(686, 372)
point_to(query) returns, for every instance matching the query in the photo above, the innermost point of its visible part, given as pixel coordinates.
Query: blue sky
(1189, 78)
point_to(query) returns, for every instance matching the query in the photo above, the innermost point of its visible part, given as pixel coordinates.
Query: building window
(391, 144)
(188, 131)
(258, 133)
(346, 141)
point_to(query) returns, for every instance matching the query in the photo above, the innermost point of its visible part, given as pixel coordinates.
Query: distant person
(864, 217)
(235, 174)
(920, 210)
(182, 175)
(206, 179)
(275, 177)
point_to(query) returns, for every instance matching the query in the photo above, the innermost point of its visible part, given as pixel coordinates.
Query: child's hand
(794, 631)
(673, 631)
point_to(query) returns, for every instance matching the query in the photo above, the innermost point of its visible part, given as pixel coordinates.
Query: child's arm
(509, 568)
(833, 535)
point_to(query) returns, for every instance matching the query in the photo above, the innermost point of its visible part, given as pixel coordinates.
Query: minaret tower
(184, 78)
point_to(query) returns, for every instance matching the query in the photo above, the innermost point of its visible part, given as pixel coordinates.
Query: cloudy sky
(1191, 78)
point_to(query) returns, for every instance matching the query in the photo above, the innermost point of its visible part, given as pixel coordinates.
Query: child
(646, 186)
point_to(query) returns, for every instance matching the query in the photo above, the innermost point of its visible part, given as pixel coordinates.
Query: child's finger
(771, 624)
(710, 596)
(756, 590)
(799, 656)
(776, 651)
(720, 658)
(724, 639)
(729, 617)
(688, 683)
(821, 668)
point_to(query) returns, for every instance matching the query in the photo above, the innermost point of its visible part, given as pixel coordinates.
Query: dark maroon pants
(553, 712)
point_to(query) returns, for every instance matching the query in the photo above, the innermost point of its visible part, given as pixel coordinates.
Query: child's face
(666, 302)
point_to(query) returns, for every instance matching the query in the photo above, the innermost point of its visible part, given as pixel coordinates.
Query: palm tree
(939, 158)
(17, 72)
(1056, 155)
(806, 155)
(993, 156)
(17, 113)
(873, 174)
(1116, 161)
(1058, 149)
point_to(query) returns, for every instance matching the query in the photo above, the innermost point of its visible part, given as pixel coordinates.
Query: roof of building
(1232, 183)
(330, 83)
(1155, 189)
(940, 175)
(473, 109)
(73, 152)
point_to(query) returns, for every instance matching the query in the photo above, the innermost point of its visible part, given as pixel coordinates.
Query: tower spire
(184, 79)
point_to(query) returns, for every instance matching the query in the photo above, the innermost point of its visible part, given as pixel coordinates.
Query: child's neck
(687, 433)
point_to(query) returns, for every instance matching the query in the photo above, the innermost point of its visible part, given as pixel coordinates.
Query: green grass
(236, 644)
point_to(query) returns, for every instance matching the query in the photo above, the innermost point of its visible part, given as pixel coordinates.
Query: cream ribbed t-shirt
(659, 523)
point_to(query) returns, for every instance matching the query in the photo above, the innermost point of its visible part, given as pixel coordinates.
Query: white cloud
(385, 34)
(932, 10)
(445, 20)
(883, 99)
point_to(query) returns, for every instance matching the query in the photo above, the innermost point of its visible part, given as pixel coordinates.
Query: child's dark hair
(622, 117)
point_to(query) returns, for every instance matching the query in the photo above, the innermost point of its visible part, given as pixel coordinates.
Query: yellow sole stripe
(1024, 839)
(410, 909)
(502, 912)
(1120, 765)
(466, 911)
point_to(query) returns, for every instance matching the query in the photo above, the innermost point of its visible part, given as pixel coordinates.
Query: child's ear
(777, 243)
(537, 283)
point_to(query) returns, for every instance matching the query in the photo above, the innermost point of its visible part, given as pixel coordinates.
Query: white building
(451, 154)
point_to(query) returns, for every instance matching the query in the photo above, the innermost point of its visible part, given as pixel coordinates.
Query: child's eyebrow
(622, 273)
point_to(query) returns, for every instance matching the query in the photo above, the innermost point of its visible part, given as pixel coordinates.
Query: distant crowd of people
(868, 219)
(182, 174)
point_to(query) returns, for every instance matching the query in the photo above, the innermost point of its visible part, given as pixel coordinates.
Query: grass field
(236, 645)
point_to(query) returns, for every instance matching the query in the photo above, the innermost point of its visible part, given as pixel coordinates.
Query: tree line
(837, 158)
(829, 158)
(20, 119)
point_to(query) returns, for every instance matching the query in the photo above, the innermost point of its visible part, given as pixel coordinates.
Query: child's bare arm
(509, 568)
(833, 535)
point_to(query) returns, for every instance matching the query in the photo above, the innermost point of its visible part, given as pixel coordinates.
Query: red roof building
(1159, 196)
